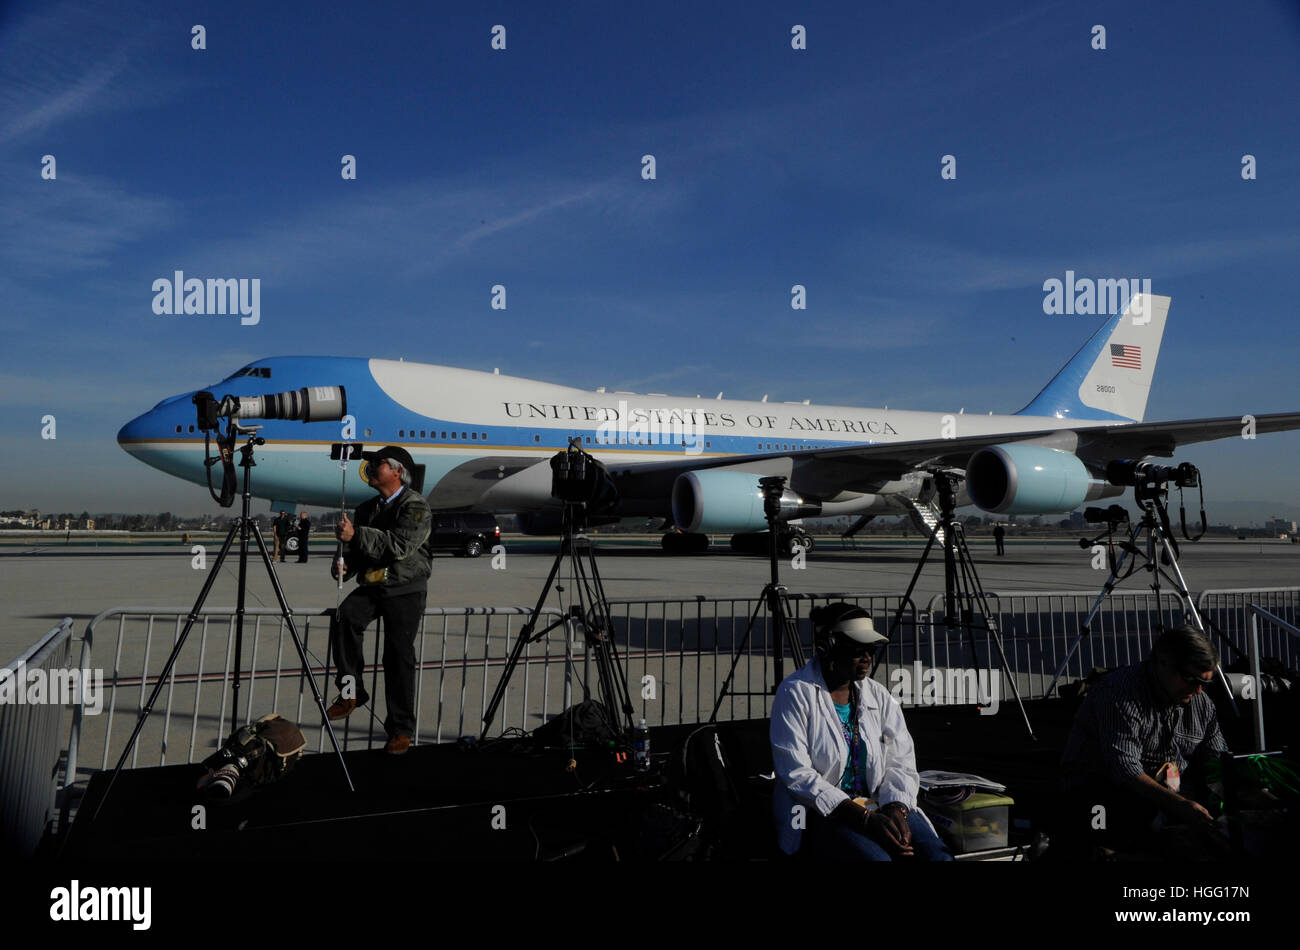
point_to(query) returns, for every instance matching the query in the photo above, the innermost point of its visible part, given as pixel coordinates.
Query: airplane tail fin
(1110, 376)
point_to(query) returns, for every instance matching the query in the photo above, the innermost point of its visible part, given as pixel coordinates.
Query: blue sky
(522, 167)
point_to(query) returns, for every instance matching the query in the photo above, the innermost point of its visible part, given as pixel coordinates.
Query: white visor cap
(860, 630)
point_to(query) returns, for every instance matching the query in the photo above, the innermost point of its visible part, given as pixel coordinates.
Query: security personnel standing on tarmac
(304, 535)
(385, 550)
(282, 530)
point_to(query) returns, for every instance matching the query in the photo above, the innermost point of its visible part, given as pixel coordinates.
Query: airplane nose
(132, 432)
(158, 422)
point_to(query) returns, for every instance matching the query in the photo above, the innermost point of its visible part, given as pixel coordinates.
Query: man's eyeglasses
(1195, 680)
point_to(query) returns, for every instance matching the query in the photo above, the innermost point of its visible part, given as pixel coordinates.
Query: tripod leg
(287, 613)
(968, 569)
(1085, 629)
(735, 659)
(911, 586)
(1189, 606)
(525, 634)
(600, 604)
(784, 623)
(171, 661)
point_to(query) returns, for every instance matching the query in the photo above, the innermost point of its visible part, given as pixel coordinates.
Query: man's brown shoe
(397, 745)
(342, 708)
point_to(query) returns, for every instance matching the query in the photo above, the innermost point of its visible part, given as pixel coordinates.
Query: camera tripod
(244, 527)
(776, 599)
(964, 595)
(590, 613)
(1161, 551)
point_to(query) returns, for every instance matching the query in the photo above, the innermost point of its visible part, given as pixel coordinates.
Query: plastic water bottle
(641, 746)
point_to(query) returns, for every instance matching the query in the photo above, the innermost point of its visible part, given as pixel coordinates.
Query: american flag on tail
(1125, 356)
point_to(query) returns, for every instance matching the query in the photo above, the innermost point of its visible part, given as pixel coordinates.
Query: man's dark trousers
(401, 616)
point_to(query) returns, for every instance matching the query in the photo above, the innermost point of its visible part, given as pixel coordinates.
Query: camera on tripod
(579, 478)
(309, 404)
(1124, 472)
(1115, 514)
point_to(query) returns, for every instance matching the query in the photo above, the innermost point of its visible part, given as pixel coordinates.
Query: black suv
(464, 534)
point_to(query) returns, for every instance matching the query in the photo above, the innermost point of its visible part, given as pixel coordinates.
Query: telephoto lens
(223, 781)
(309, 404)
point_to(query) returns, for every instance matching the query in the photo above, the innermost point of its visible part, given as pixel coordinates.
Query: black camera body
(579, 478)
(1125, 472)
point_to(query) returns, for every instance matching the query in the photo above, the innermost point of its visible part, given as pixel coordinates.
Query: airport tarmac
(42, 583)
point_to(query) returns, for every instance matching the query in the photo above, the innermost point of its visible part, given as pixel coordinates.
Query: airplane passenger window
(453, 435)
(536, 437)
(484, 435)
(367, 433)
(401, 433)
(191, 428)
(444, 435)
(462, 435)
(422, 433)
(473, 435)
(178, 428)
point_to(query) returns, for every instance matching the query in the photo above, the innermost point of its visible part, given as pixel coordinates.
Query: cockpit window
(262, 372)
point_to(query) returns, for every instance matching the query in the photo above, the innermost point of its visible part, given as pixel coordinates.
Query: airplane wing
(861, 467)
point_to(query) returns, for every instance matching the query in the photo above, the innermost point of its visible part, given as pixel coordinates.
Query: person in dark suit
(282, 528)
(304, 530)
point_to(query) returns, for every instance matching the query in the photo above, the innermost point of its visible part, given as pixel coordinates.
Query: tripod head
(581, 482)
(226, 456)
(947, 483)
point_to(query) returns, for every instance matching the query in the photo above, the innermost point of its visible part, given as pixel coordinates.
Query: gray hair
(402, 473)
(1186, 648)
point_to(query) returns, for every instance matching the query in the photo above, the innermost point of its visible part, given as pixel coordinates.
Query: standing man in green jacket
(385, 550)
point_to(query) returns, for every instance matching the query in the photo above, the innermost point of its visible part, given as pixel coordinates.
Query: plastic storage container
(977, 824)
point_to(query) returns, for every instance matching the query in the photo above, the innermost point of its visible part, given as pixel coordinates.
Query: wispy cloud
(72, 60)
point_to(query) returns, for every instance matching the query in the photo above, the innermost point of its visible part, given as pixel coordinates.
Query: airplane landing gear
(679, 542)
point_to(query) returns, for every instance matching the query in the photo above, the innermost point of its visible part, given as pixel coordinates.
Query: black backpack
(700, 777)
(585, 725)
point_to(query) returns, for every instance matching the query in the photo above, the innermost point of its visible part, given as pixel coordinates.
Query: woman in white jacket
(823, 712)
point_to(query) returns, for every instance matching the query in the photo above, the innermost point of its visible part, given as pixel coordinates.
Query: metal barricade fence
(1039, 628)
(31, 738)
(1257, 617)
(686, 645)
(677, 652)
(457, 652)
(1225, 614)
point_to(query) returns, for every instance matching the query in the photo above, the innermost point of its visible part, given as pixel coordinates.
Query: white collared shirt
(810, 754)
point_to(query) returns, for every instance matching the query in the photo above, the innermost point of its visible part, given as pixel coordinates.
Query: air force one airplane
(486, 440)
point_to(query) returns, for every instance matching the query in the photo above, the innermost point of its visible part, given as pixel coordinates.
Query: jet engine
(711, 501)
(1032, 479)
